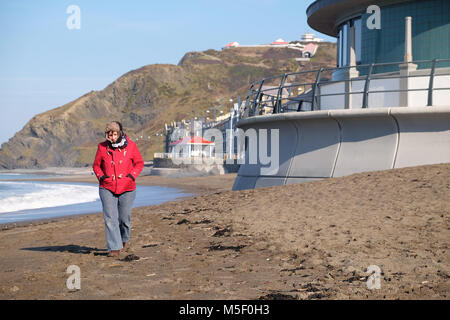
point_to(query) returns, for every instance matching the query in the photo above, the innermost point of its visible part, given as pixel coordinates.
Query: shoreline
(51, 171)
(194, 185)
(185, 185)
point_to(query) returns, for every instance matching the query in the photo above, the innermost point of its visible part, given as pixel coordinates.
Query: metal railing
(275, 94)
(217, 158)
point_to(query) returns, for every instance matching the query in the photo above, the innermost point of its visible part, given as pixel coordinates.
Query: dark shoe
(114, 253)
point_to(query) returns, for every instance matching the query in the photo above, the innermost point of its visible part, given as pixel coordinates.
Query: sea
(22, 200)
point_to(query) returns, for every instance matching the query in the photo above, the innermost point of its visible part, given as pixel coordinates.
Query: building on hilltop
(309, 37)
(231, 45)
(307, 50)
(280, 42)
(277, 43)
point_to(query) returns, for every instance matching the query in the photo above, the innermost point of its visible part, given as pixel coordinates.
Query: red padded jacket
(118, 164)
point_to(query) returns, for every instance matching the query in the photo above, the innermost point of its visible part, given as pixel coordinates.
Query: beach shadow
(72, 248)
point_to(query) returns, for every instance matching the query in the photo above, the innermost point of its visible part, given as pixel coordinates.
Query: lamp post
(231, 127)
(159, 134)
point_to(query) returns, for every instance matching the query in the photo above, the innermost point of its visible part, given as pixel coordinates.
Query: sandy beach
(306, 241)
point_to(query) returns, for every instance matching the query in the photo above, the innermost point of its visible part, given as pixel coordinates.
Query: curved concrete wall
(424, 136)
(242, 183)
(323, 144)
(287, 132)
(368, 142)
(317, 148)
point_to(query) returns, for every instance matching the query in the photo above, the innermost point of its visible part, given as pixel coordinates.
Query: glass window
(344, 42)
(357, 27)
(344, 47)
(339, 56)
(430, 34)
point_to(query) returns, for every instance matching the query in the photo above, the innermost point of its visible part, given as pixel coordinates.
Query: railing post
(366, 87)
(430, 87)
(276, 107)
(316, 83)
(255, 101)
(247, 102)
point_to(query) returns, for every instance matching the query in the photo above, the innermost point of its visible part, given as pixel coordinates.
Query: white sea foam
(45, 195)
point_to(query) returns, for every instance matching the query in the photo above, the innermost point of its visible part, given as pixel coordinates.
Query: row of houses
(186, 138)
(307, 45)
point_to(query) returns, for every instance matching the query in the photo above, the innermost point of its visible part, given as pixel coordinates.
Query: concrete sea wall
(333, 143)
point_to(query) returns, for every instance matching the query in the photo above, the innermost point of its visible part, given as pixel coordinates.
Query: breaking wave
(17, 196)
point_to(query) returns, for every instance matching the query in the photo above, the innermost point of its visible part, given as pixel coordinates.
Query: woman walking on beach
(117, 164)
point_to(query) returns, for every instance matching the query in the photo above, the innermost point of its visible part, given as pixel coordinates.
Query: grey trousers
(117, 215)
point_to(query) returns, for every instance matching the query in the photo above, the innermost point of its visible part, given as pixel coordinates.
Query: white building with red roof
(309, 50)
(280, 42)
(231, 45)
(191, 146)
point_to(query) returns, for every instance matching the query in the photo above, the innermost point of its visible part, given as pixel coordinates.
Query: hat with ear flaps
(112, 126)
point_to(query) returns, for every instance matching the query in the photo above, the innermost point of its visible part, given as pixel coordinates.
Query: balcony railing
(349, 87)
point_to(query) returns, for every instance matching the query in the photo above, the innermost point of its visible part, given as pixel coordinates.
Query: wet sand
(305, 241)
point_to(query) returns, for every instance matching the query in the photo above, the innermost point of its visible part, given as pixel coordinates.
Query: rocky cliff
(146, 98)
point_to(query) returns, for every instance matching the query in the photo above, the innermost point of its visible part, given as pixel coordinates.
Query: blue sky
(44, 65)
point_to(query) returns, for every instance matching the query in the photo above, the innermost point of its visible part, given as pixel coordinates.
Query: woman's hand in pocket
(103, 178)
